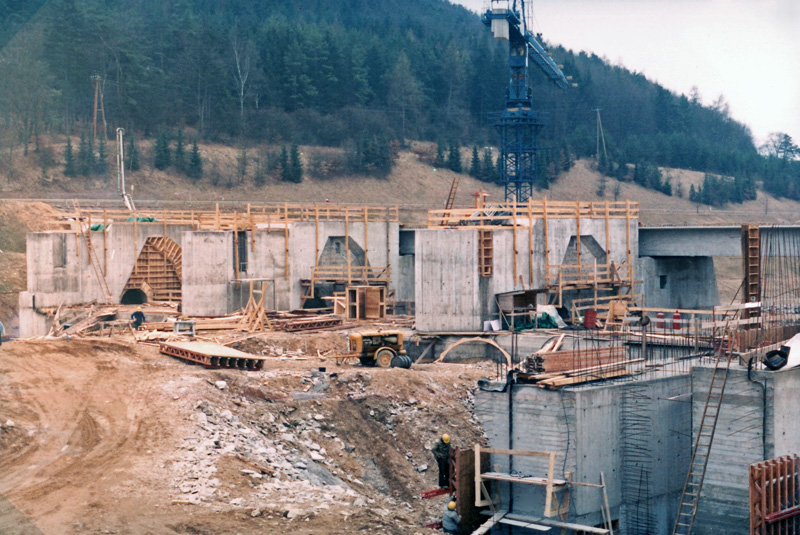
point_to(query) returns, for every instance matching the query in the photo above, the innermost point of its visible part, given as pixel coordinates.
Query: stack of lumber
(556, 380)
(560, 361)
(552, 368)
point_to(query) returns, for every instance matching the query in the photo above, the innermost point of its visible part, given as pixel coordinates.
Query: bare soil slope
(110, 437)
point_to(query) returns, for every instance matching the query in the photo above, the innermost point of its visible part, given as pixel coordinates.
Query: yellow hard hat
(451, 505)
(446, 438)
(138, 309)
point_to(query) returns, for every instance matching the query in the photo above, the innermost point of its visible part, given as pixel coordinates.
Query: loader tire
(384, 357)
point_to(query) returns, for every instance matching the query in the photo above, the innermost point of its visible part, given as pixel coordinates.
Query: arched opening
(157, 271)
(133, 297)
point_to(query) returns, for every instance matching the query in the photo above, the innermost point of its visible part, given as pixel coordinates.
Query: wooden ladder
(690, 497)
(485, 253)
(451, 198)
(751, 264)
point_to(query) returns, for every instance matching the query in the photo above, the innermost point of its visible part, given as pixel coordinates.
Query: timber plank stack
(560, 361)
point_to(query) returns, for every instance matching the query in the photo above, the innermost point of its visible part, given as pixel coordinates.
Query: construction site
(524, 330)
(276, 367)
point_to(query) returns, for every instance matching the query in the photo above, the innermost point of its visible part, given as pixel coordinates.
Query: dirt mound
(107, 436)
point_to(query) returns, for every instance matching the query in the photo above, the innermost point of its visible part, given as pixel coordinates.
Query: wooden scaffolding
(157, 259)
(158, 270)
(608, 277)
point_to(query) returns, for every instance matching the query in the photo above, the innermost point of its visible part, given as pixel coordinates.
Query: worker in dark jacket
(138, 318)
(441, 452)
(450, 518)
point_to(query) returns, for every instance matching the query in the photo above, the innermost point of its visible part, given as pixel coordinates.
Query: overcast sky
(745, 50)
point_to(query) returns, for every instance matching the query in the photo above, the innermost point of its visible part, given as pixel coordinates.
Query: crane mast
(519, 125)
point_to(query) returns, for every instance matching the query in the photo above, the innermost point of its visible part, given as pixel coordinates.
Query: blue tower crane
(519, 125)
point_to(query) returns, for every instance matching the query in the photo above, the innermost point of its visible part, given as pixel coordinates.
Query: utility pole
(97, 82)
(600, 137)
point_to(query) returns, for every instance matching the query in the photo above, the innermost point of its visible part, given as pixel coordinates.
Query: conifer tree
(101, 166)
(454, 158)
(163, 154)
(86, 161)
(195, 168)
(70, 169)
(439, 161)
(286, 172)
(475, 164)
(487, 166)
(498, 170)
(295, 165)
(180, 153)
(133, 155)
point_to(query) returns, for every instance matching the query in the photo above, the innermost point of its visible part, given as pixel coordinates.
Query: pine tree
(241, 164)
(475, 164)
(101, 166)
(487, 166)
(454, 158)
(195, 168)
(163, 154)
(295, 165)
(439, 161)
(86, 161)
(133, 155)
(498, 170)
(70, 169)
(286, 172)
(601, 186)
(180, 153)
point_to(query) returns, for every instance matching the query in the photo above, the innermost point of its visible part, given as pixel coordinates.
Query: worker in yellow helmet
(441, 452)
(450, 519)
(138, 318)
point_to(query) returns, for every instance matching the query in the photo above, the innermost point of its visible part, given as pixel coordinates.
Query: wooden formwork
(559, 278)
(775, 496)
(252, 217)
(158, 270)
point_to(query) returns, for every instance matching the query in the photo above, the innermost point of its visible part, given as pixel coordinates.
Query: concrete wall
(60, 272)
(584, 428)
(738, 442)
(709, 240)
(446, 256)
(207, 270)
(380, 243)
(690, 241)
(446, 275)
(689, 282)
(750, 429)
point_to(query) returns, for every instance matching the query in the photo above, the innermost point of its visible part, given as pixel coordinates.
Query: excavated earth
(109, 436)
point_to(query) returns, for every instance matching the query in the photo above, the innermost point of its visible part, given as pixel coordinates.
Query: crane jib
(537, 53)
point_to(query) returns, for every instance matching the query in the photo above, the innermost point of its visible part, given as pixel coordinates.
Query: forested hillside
(350, 73)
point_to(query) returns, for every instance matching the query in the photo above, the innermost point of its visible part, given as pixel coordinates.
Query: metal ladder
(690, 498)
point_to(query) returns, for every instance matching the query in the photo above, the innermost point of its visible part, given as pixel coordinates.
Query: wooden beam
(366, 240)
(530, 243)
(514, 238)
(286, 240)
(578, 238)
(347, 242)
(546, 245)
